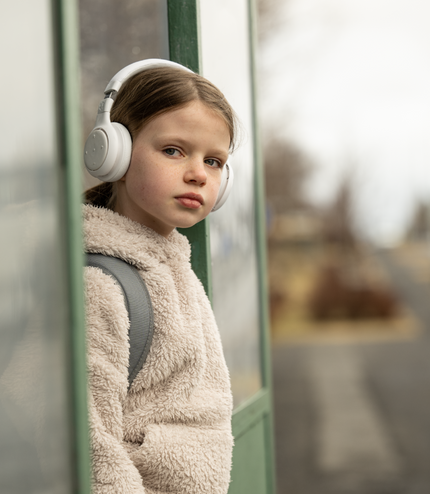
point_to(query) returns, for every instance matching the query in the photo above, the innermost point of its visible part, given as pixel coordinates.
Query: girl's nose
(196, 173)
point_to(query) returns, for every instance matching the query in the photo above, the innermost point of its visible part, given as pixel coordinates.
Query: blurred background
(344, 106)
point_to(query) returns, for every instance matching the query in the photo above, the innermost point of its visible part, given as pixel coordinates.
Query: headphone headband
(151, 63)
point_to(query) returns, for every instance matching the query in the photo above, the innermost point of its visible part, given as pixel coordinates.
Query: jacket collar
(109, 233)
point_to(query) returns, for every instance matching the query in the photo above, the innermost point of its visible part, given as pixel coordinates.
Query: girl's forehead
(197, 109)
(194, 116)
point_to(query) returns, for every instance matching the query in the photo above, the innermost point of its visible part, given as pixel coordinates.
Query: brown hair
(151, 93)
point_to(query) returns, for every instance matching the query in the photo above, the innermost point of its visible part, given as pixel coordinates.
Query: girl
(170, 432)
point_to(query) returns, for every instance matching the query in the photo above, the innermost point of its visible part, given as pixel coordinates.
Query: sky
(348, 81)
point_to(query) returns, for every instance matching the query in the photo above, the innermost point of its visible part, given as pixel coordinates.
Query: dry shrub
(334, 298)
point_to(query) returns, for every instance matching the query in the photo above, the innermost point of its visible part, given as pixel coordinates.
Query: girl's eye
(213, 163)
(171, 151)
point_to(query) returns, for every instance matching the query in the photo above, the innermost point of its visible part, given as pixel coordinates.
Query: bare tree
(286, 170)
(338, 221)
(268, 16)
(420, 224)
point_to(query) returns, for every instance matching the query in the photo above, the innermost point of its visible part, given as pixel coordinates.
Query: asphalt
(354, 418)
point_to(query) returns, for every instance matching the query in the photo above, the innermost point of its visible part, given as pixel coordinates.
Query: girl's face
(175, 169)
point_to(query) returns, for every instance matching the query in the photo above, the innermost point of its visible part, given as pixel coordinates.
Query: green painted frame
(185, 48)
(65, 28)
(260, 221)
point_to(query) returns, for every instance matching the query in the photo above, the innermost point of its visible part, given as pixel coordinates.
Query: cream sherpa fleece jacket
(171, 432)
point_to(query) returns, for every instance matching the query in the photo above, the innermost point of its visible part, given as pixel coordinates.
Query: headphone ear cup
(227, 178)
(108, 152)
(123, 154)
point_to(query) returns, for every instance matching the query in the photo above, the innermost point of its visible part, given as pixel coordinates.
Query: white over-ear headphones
(108, 148)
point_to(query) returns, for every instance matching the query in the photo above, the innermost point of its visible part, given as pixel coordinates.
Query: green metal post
(184, 48)
(184, 33)
(67, 62)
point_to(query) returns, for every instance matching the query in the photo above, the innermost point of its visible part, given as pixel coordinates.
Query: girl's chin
(188, 223)
(189, 218)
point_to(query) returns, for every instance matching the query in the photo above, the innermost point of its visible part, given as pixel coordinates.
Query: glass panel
(233, 241)
(346, 99)
(34, 407)
(114, 34)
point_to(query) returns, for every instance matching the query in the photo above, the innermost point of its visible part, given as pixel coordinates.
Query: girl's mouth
(190, 200)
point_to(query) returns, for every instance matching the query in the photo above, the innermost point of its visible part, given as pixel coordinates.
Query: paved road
(355, 418)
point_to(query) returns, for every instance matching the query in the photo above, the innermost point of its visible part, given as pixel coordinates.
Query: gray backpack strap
(138, 304)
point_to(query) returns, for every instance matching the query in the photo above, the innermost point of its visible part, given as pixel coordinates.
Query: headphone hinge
(111, 94)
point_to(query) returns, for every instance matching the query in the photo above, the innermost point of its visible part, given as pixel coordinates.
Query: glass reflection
(34, 406)
(233, 243)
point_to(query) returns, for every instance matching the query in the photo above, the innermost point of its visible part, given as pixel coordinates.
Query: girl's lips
(191, 201)
(187, 202)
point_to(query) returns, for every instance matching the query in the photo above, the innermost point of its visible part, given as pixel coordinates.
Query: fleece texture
(171, 431)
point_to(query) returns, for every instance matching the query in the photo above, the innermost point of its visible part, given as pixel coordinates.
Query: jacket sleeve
(113, 472)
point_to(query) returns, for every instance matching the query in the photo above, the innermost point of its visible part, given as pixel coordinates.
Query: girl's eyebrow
(184, 142)
(172, 138)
